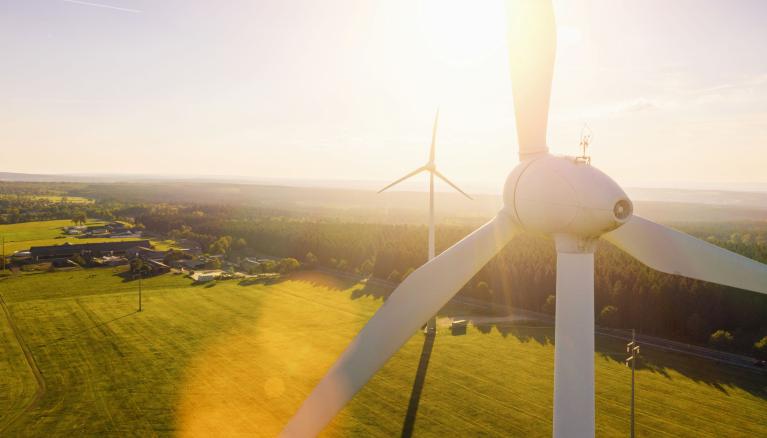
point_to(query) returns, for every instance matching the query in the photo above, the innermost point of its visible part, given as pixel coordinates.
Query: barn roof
(68, 248)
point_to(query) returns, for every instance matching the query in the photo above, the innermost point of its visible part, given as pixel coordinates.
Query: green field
(230, 359)
(53, 198)
(21, 236)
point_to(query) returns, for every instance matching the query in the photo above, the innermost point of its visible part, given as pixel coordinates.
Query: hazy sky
(674, 91)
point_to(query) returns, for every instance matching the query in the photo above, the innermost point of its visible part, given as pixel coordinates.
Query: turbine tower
(564, 197)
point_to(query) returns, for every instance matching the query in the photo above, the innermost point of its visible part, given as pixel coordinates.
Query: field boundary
(30, 362)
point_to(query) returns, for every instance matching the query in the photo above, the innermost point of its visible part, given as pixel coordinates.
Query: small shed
(458, 327)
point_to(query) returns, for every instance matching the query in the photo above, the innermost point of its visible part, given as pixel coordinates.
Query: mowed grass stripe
(19, 387)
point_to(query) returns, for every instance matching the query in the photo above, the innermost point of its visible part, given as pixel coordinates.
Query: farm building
(157, 267)
(250, 263)
(187, 263)
(123, 234)
(145, 253)
(74, 230)
(115, 227)
(110, 261)
(206, 276)
(20, 256)
(68, 250)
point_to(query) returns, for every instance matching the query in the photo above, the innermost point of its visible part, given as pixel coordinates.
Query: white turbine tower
(563, 197)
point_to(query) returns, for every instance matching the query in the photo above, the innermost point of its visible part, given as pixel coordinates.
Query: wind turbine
(564, 197)
(431, 167)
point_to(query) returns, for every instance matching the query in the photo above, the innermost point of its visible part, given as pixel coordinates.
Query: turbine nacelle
(564, 195)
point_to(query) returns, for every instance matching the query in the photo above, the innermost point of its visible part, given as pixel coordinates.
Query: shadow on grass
(700, 370)
(323, 280)
(264, 281)
(127, 276)
(420, 379)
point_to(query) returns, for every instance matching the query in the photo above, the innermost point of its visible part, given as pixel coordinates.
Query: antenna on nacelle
(585, 141)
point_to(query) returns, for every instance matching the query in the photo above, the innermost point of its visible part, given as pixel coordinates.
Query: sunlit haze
(674, 92)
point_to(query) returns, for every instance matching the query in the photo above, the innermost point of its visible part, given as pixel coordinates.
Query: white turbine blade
(413, 173)
(444, 178)
(673, 252)
(574, 346)
(433, 138)
(414, 301)
(532, 47)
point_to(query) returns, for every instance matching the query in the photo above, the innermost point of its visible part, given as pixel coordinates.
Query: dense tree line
(20, 208)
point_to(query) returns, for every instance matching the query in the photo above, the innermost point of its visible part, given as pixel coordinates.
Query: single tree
(394, 276)
(609, 316)
(310, 260)
(721, 339)
(760, 347)
(550, 306)
(288, 264)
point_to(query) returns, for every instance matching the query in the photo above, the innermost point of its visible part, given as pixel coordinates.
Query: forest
(627, 294)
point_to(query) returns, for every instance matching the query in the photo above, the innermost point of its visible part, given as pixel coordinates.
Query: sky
(675, 93)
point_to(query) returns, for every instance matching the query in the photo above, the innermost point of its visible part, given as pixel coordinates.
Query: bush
(394, 276)
(214, 263)
(550, 306)
(288, 265)
(483, 292)
(721, 339)
(366, 268)
(609, 316)
(78, 259)
(310, 260)
(174, 255)
(136, 265)
(760, 347)
(268, 266)
(407, 273)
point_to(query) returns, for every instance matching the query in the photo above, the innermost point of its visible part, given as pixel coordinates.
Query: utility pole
(632, 349)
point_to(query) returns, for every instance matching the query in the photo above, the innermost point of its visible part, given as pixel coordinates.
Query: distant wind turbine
(430, 167)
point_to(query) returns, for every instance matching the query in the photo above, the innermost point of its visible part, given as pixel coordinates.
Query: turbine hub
(564, 195)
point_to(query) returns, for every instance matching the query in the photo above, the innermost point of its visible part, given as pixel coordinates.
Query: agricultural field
(231, 358)
(23, 235)
(54, 198)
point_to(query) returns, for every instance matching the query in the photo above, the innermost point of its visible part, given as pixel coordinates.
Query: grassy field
(228, 359)
(23, 235)
(54, 198)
